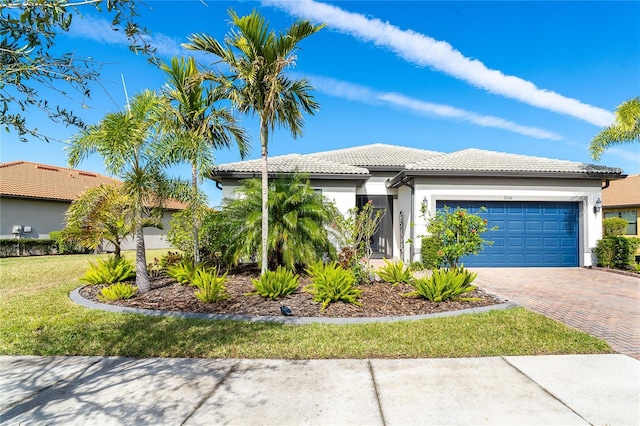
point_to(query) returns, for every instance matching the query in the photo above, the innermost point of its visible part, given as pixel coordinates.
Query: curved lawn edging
(78, 299)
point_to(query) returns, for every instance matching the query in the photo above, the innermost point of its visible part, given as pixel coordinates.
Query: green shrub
(616, 252)
(27, 247)
(183, 272)
(278, 283)
(395, 272)
(429, 253)
(210, 286)
(112, 270)
(65, 244)
(443, 285)
(117, 291)
(331, 283)
(614, 227)
(170, 259)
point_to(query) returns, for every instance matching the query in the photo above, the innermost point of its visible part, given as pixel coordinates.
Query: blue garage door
(528, 234)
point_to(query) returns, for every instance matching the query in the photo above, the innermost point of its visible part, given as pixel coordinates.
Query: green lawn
(37, 318)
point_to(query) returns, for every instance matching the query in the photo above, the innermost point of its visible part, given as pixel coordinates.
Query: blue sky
(531, 78)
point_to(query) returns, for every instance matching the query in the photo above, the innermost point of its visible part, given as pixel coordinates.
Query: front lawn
(37, 318)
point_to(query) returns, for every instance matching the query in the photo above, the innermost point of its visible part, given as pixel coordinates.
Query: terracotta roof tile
(32, 180)
(622, 192)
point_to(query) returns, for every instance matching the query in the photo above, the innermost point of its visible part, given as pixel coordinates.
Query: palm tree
(194, 128)
(98, 214)
(123, 139)
(299, 219)
(257, 58)
(625, 129)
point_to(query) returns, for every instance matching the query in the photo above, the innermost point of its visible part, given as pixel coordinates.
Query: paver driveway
(603, 304)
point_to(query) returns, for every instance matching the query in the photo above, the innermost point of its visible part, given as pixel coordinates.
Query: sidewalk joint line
(233, 368)
(545, 390)
(375, 388)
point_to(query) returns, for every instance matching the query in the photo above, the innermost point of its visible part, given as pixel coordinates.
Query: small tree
(614, 227)
(457, 233)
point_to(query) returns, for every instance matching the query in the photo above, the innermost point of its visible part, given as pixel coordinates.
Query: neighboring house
(621, 198)
(35, 197)
(544, 208)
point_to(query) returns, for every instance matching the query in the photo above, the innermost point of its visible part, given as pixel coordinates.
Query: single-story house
(546, 210)
(35, 197)
(621, 198)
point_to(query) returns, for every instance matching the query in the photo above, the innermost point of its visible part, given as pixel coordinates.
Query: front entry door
(382, 240)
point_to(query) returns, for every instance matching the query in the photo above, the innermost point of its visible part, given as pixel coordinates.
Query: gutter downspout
(607, 182)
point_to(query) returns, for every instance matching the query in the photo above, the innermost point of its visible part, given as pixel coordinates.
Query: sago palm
(193, 128)
(299, 219)
(123, 139)
(257, 58)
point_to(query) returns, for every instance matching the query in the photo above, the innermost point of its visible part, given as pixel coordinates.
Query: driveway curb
(78, 299)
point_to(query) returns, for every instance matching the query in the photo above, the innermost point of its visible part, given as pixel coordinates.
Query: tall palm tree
(194, 128)
(625, 129)
(299, 219)
(257, 58)
(123, 139)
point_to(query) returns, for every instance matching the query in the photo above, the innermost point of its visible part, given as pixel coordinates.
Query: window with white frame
(630, 216)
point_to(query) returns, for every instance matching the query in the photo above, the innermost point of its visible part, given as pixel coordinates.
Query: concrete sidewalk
(544, 390)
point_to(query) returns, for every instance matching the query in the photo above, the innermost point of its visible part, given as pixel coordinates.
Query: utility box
(17, 229)
(26, 229)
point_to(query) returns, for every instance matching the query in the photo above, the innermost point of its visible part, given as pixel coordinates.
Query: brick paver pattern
(603, 304)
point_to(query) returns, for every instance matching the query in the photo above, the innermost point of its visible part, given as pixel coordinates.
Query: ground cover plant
(37, 318)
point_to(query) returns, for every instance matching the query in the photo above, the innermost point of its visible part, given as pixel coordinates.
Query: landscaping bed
(378, 300)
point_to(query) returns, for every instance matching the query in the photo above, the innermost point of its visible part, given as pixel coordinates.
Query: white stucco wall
(584, 192)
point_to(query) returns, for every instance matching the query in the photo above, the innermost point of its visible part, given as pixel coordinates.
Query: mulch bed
(378, 300)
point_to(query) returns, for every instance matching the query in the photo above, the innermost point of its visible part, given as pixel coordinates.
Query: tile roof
(292, 163)
(622, 192)
(32, 180)
(477, 160)
(377, 155)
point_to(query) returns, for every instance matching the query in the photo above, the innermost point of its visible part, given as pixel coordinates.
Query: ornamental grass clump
(210, 286)
(395, 273)
(331, 283)
(112, 270)
(117, 291)
(444, 284)
(275, 284)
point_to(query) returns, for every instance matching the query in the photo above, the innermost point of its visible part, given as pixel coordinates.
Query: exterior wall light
(597, 206)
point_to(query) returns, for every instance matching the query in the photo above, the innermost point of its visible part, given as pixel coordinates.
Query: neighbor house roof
(23, 179)
(361, 160)
(622, 193)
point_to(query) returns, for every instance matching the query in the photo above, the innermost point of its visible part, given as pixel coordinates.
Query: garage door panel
(528, 234)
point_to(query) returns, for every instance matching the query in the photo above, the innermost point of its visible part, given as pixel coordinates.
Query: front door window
(382, 240)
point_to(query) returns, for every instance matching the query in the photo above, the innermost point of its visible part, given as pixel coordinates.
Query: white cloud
(356, 92)
(630, 155)
(441, 56)
(99, 30)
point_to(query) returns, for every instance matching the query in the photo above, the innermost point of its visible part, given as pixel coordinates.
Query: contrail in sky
(441, 56)
(356, 92)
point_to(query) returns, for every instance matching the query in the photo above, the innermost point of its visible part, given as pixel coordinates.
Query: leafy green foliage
(354, 232)
(117, 291)
(10, 247)
(275, 284)
(183, 272)
(30, 61)
(298, 218)
(444, 284)
(625, 129)
(614, 226)
(395, 272)
(331, 283)
(210, 286)
(616, 252)
(456, 233)
(429, 252)
(112, 270)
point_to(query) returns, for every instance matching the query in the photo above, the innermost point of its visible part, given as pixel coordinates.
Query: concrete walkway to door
(604, 304)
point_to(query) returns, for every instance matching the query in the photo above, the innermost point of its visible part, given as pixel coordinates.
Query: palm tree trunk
(264, 136)
(194, 213)
(142, 275)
